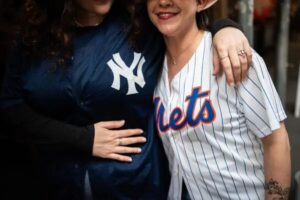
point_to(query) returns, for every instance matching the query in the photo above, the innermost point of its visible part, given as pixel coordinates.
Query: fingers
(227, 68)
(112, 144)
(228, 43)
(236, 65)
(126, 133)
(119, 157)
(127, 150)
(247, 48)
(111, 124)
(244, 64)
(117, 153)
(216, 62)
(246, 60)
(249, 56)
(225, 60)
(118, 124)
(131, 140)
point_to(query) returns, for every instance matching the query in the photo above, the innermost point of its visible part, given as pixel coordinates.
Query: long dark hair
(46, 30)
(48, 27)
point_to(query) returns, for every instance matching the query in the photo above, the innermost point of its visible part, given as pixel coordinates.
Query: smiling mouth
(101, 1)
(165, 15)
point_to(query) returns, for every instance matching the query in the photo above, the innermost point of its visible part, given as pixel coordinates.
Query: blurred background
(272, 26)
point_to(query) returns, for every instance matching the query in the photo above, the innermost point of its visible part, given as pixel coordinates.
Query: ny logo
(119, 68)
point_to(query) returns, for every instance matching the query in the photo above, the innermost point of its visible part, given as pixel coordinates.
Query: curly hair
(45, 32)
(48, 27)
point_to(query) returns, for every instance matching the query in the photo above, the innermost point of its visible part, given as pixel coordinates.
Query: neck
(181, 48)
(83, 19)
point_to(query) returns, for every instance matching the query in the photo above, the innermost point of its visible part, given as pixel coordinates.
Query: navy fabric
(82, 94)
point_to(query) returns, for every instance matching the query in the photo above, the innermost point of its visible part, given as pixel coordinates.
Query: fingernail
(129, 159)
(144, 140)
(141, 131)
(139, 150)
(231, 84)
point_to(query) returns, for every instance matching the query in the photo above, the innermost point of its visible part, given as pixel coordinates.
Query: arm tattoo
(273, 188)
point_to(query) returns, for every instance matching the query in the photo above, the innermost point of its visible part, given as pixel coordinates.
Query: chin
(166, 32)
(103, 10)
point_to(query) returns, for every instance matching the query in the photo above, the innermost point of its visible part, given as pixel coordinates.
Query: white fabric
(222, 159)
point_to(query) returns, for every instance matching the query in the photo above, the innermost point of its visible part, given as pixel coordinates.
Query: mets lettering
(178, 119)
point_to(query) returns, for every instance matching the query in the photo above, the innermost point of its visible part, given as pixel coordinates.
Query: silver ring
(242, 53)
(222, 58)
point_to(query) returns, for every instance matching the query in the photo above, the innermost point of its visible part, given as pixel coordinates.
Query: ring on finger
(223, 57)
(119, 141)
(242, 53)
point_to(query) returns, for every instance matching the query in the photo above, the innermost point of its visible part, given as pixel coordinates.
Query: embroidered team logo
(119, 68)
(179, 119)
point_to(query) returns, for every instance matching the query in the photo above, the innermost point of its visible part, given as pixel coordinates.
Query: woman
(79, 68)
(221, 142)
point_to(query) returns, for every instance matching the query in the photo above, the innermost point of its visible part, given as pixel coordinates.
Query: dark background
(18, 179)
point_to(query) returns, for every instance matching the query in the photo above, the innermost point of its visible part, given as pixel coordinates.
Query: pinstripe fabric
(219, 157)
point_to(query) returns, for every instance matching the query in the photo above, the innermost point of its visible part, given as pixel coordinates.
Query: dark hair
(48, 27)
(9, 11)
(46, 30)
(202, 18)
(142, 24)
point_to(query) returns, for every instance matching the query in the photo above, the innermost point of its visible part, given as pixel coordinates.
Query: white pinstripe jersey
(211, 132)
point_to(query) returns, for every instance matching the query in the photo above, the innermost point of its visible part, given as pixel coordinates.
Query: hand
(111, 144)
(233, 52)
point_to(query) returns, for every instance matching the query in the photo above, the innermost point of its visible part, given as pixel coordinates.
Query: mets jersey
(211, 132)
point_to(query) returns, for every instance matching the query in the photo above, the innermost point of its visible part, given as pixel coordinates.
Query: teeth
(164, 14)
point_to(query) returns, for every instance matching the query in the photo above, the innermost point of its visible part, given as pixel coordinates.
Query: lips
(165, 15)
(101, 1)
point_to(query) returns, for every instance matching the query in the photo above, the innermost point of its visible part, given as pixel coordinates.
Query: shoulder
(258, 68)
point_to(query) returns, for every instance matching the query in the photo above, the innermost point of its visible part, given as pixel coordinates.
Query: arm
(228, 41)
(277, 163)
(32, 127)
(99, 140)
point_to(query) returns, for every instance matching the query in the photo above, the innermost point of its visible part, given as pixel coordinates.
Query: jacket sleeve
(31, 127)
(25, 124)
(217, 25)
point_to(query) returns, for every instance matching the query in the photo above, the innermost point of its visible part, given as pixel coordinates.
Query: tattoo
(273, 188)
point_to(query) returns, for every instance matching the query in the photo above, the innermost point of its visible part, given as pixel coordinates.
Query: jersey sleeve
(259, 100)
